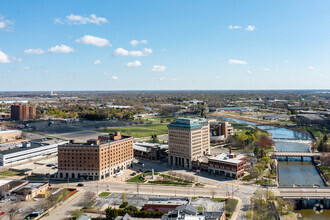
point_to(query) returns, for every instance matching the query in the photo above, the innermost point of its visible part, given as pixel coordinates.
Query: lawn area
(219, 199)
(170, 183)
(104, 194)
(199, 208)
(8, 173)
(139, 131)
(136, 179)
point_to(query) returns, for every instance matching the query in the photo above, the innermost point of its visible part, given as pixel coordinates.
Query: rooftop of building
(188, 122)
(168, 201)
(108, 138)
(32, 145)
(228, 158)
(29, 187)
(147, 146)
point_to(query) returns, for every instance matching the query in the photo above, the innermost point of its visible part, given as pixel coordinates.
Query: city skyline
(148, 45)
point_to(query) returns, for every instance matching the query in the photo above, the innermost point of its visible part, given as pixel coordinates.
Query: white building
(33, 149)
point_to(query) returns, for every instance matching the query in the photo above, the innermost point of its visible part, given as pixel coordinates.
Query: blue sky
(159, 45)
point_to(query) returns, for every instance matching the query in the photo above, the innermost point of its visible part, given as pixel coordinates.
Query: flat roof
(223, 157)
(33, 146)
(4, 182)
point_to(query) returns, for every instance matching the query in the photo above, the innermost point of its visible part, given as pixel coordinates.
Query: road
(214, 187)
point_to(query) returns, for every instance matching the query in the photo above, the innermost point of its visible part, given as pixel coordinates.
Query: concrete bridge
(303, 193)
(288, 154)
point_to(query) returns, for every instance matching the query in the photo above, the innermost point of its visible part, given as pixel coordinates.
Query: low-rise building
(29, 190)
(189, 212)
(97, 159)
(164, 204)
(229, 165)
(150, 151)
(30, 150)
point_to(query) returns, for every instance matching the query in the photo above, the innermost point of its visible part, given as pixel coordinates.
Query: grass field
(104, 194)
(8, 173)
(219, 199)
(136, 179)
(139, 131)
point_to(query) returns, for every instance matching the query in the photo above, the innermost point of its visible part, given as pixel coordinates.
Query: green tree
(321, 147)
(325, 138)
(111, 213)
(254, 172)
(256, 152)
(76, 213)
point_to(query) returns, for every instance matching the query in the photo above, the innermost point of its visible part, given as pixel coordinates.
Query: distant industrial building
(97, 159)
(220, 131)
(30, 150)
(10, 135)
(150, 151)
(189, 212)
(189, 139)
(22, 112)
(165, 204)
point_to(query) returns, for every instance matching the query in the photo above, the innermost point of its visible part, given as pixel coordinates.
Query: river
(293, 171)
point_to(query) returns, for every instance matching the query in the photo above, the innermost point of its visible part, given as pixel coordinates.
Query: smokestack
(230, 150)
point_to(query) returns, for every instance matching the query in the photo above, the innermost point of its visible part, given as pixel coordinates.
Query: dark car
(80, 184)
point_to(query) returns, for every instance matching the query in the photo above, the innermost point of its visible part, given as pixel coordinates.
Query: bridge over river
(303, 193)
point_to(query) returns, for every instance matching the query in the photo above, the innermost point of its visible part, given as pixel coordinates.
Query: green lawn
(104, 194)
(199, 208)
(170, 183)
(219, 199)
(8, 173)
(136, 179)
(139, 131)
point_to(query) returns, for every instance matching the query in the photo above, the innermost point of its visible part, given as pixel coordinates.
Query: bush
(111, 213)
(123, 205)
(131, 208)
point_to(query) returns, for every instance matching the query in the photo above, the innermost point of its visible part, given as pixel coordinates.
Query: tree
(88, 199)
(321, 147)
(230, 205)
(254, 172)
(325, 138)
(249, 215)
(111, 213)
(76, 213)
(256, 152)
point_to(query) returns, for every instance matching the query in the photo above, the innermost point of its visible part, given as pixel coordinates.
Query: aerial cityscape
(171, 110)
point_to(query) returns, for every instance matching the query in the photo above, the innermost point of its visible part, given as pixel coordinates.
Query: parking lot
(39, 167)
(115, 199)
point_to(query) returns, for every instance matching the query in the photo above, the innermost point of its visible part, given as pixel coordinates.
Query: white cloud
(4, 58)
(96, 62)
(105, 73)
(114, 77)
(79, 19)
(311, 67)
(234, 27)
(135, 42)
(5, 25)
(267, 69)
(321, 75)
(159, 68)
(46, 71)
(16, 59)
(61, 49)
(34, 51)
(162, 78)
(250, 28)
(134, 53)
(249, 72)
(134, 64)
(286, 61)
(27, 68)
(92, 40)
(239, 62)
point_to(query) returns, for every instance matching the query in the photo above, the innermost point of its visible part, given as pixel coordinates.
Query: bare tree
(87, 199)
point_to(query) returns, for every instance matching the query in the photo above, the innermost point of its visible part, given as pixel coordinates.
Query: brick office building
(229, 165)
(97, 159)
(22, 112)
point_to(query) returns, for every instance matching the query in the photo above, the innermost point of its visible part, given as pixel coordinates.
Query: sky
(164, 45)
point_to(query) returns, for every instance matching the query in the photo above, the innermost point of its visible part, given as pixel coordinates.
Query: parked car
(2, 213)
(80, 184)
